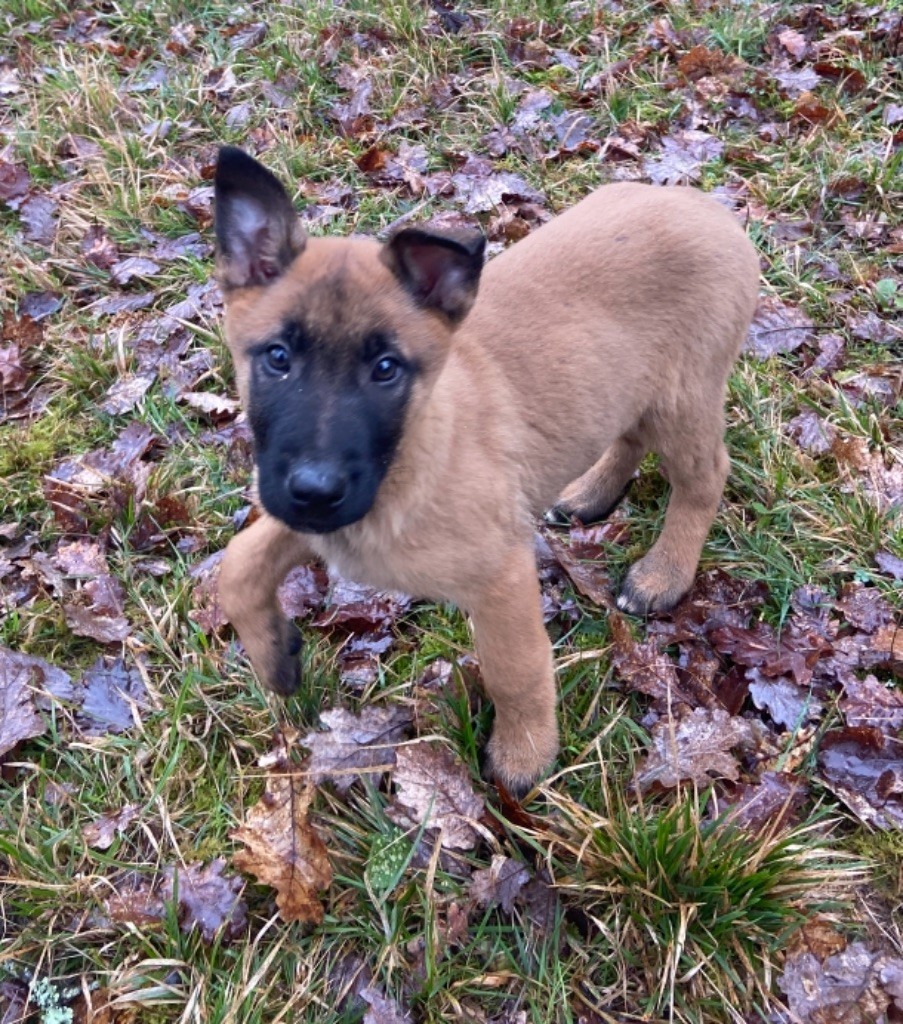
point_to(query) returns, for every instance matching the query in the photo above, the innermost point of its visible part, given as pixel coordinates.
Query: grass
(627, 927)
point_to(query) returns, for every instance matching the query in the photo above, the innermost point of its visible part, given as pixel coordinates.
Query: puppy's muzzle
(316, 487)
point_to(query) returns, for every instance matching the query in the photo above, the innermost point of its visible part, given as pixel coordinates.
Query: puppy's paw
(280, 669)
(571, 506)
(654, 584)
(519, 766)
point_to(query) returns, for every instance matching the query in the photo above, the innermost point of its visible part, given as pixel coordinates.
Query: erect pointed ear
(258, 233)
(441, 271)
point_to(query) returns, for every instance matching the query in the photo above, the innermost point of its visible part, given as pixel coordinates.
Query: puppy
(413, 411)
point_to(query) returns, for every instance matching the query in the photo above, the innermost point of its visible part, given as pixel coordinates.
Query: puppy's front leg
(518, 672)
(256, 562)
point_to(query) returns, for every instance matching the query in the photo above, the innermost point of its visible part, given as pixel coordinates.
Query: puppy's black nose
(317, 483)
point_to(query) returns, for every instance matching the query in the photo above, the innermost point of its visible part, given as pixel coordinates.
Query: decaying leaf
(208, 900)
(694, 748)
(382, 1009)
(283, 850)
(855, 986)
(359, 608)
(303, 590)
(356, 745)
(96, 610)
(864, 768)
(18, 718)
(868, 702)
(101, 833)
(644, 668)
(113, 693)
(771, 803)
(777, 327)
(788, 704)
(500, 884)
(433, 788)
(683, 154)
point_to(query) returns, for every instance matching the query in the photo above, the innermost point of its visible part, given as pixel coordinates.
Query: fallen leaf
(96, 610)
(13, 1002)
(584, 568)
(500, 884)
(787, 704)
(795, 43)
(811, 432)
(101, 833)
(205, 607)
(14, 180)
(283, 848)
(433, 789)
(82, 559)
(777, 327)
(360, 609)
(868, 702)
(356, 745)
(382, 1010)
(215, 407)
(644, 668)
(848, 988)
(683, 154)
(112, 694)
(478, 187)
(889, 564)
(98, 248)
(864, 768)
(19, 719)
(39, 218)
(125, 394)
(133, 266)
(866, 470)
(770, 804)
(794, 81)
(303, 590)
(866, 608)
(694, 748)
(208, 900)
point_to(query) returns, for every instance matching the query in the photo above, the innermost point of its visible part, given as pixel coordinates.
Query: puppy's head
(336, 342)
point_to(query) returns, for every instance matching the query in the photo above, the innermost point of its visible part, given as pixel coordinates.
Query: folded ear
(441, 271)
(258, 233)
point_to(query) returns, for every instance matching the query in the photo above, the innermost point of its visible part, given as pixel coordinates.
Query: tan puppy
(413, 412)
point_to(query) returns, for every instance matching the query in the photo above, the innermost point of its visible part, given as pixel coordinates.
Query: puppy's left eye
(386, 370)
(277, 359)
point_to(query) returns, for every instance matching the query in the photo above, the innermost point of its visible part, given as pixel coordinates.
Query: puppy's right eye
(277, 359)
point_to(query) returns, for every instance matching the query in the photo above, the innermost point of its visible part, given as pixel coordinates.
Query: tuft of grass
(690, 911)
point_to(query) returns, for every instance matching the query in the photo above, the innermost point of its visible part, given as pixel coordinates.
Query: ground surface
(147, 782)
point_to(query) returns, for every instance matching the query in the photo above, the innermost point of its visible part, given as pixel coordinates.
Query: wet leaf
(101, 833)
(39, 219)
(283, 850)
(777, 327)
(644, 668)
(96, 610)
(356, 744)
(217, 408)
(205, 607)
(794, 82)
(850, 987)
(866, 608)
(98, 248)
(589, 577)
(500, 884)
(125, 394)
(361, 609)
(478, 187)
(81, 558)
(794, 43)
(868, 702)
(434, 788)
(683, 154)
(890, 564)
(113, 693)
(866, 470)
(864, 768)
(18, 718)
(208, 900)
(811, 432)
(694, 748)
(787, 704)
(772, 803)
(382, 1010)
(303, 591)
(133, 266)
(14, 180)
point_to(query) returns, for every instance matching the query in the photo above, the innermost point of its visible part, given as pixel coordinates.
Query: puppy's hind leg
(595, 495)
(697, 467)
(255, 564)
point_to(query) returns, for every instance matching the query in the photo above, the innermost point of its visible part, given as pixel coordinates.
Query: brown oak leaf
(433, 788)
(208, 900)
(101, 833)
(283, 848)
(694, 748)
(354, 745)
(499, 884)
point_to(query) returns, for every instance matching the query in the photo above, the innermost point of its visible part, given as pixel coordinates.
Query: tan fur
(608, 333)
